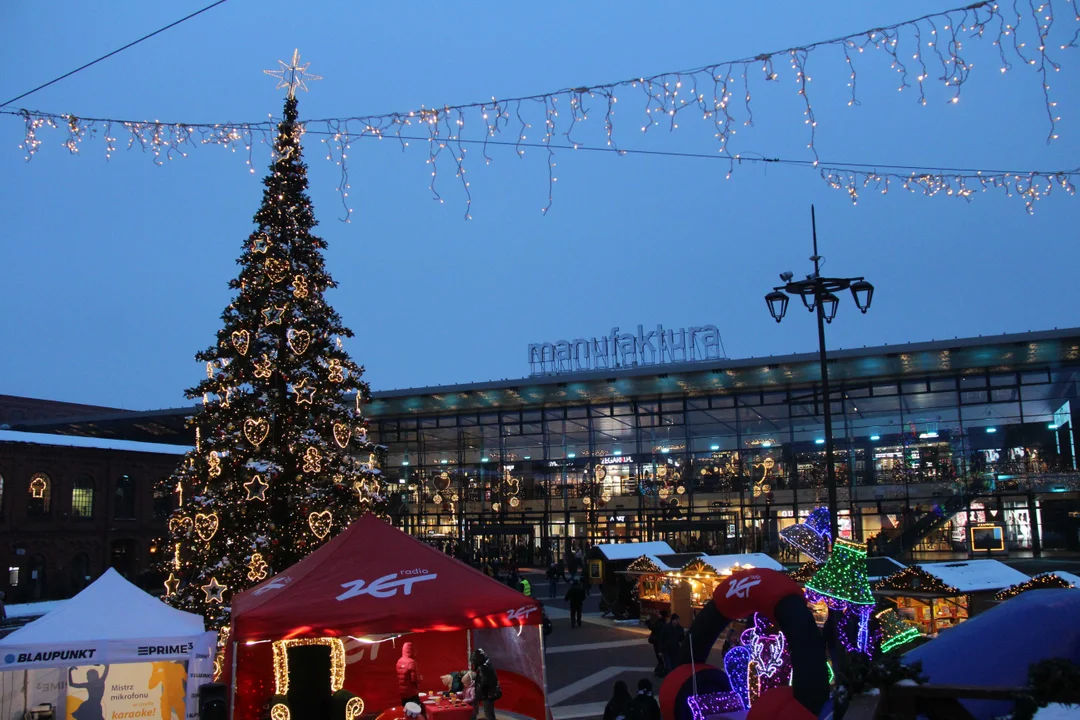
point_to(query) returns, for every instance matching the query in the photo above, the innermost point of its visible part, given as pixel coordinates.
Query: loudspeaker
(213, 701)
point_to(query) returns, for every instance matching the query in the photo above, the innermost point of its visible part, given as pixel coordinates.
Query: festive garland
(914, 579)
(1039, 582)
(644, 564)
(928, 48)
(804, 572)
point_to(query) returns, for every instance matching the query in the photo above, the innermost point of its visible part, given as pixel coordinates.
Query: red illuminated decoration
(690, 695)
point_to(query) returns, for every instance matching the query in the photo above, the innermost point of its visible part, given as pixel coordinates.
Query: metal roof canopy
(1003, 353)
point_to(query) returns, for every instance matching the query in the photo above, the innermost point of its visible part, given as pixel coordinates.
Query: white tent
(113, 624)
(111, 621)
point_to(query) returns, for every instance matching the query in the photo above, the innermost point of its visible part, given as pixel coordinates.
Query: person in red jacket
(408, 676)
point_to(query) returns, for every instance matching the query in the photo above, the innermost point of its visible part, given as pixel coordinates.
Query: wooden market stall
(683, 583)
(937, 596)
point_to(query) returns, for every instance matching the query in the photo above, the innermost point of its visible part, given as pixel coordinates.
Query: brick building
(72, 507)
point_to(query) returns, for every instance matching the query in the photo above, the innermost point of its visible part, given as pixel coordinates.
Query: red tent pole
(232, 685)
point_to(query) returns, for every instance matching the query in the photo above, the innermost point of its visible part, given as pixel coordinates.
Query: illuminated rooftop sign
(619, 350)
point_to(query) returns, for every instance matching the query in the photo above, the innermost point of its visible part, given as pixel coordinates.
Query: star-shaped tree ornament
(172, 584)
(214, 591)
(272, 315)
(256, 488)
(304, 393)
(292, 75)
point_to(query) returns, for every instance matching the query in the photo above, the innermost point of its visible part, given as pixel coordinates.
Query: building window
(37, 577)
(40, 500)
(13, 575)
(82, 497)
(123, 558)
(125, 498)
(1, 495)
(163, 503)
(80, 572)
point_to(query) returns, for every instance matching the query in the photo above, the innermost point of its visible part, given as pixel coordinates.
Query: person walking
(526, 587)
(487, 685)
(575, 595)
(621, 706)
(656, 624)
(646, 703)
(553, 581)
(671, 638)
(586, 583)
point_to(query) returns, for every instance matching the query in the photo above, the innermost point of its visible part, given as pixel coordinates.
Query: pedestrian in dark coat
(670, 639)
(576, 597)
(647, 706)
(656, 625)
(487, 685)
(553, 581)
(621, 706)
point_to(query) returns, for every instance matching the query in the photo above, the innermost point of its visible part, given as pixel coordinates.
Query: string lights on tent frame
(922, 52)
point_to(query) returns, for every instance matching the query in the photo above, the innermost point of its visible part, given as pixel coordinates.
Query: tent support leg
(543, 662)
(232, 684)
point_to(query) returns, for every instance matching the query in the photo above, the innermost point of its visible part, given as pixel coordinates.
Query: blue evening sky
(114, 272)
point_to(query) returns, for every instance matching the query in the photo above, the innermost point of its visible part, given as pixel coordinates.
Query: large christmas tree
(281, 460)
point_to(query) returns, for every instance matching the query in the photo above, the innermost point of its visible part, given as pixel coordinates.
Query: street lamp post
(818, 295)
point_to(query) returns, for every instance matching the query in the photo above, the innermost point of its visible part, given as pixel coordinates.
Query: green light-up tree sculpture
(281, 459)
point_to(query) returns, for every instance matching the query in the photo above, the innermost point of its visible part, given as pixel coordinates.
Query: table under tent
(321, 639)
(111, 651)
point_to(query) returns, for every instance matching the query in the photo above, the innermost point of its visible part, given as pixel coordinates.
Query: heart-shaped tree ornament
(342, 433)
(180, 525)
(241, 340)
(299, 340)
(320, 523)
(256, 430)
(206, 526)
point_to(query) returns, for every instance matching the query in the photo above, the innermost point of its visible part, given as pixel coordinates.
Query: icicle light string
(928, 48)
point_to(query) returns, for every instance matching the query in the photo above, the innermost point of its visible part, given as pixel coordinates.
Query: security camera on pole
(817, 294)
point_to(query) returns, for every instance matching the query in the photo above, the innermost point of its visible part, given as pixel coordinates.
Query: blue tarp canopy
(996, 648)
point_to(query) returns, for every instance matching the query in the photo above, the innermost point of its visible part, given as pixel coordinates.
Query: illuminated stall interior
(938, 596)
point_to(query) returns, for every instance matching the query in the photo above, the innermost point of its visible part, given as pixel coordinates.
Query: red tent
(366, 588)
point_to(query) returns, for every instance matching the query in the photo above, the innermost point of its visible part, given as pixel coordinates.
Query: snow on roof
(723, 563)
(90, 442)
(632, 551)
(976, 575)
(33, 609)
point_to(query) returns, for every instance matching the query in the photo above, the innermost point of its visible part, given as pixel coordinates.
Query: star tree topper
(292, 75)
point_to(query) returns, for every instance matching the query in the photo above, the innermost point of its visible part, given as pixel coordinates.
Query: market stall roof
(948, 579)
(111, 617)
(632, 551)
(1043, 581)
(373, 579)
(976, 575)
(723, 563)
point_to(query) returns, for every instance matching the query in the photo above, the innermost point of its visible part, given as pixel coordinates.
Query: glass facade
(726, 470)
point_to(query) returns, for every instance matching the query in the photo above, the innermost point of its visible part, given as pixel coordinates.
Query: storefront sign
(617, 460)
(616, 518)
(627, 350)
